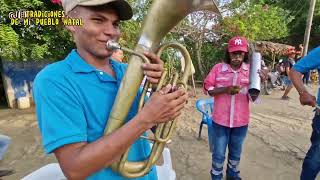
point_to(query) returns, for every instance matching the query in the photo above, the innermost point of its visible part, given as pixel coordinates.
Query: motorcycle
(273, 81)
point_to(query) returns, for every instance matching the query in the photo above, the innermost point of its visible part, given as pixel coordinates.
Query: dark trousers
(223, 137)
(311, 163)
(306, 77)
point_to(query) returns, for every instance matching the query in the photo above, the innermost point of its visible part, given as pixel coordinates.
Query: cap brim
(234, 49)
(122, 7)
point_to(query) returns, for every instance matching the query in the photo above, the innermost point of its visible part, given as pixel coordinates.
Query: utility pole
(308, 27)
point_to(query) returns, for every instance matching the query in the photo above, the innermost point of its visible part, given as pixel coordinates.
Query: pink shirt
(229, 110)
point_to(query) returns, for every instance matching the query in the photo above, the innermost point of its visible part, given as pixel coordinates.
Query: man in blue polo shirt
(74, 97)
(311, 163)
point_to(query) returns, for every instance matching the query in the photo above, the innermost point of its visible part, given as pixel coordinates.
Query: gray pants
(4, 143)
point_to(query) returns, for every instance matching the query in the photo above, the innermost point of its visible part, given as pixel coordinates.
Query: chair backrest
(53, 171)
(166, 172)
(48, 172)
(205, 106)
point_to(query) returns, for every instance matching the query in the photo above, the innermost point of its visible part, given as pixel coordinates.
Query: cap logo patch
(238, 42)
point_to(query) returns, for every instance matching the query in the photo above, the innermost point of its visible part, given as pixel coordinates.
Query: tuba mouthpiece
(113, 45)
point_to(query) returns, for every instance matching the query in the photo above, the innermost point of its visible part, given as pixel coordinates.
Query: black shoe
(233, 178)
(6, 172)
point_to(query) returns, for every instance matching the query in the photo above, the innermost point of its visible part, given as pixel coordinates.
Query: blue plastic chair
(205, 106)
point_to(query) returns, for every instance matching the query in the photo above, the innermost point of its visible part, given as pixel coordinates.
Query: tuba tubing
(161, 18)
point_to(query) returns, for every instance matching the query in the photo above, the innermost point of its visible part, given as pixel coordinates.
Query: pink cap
(238, 44)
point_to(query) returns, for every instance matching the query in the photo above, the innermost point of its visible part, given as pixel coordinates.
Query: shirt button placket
(100, 75)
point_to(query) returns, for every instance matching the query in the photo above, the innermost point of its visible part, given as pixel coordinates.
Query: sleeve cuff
(206, 91)
(49, 148)
(257, 101)
(299, 69)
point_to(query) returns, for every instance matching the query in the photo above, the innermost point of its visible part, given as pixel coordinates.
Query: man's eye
(97, 20)
(116, 25)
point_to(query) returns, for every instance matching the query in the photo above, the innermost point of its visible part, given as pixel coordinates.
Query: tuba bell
(161, 18)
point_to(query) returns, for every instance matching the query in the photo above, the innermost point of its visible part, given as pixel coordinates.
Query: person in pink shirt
(228, 83)
(117, 55)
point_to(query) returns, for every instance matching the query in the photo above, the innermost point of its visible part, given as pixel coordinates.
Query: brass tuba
(161, 18)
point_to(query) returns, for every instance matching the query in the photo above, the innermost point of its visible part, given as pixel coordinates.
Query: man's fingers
(179, 107)
(314, 101)
(152, 67)
(153, 80)
(165, 90)
(180, 100)
(153, 58)
(171, 116)
(308, 100)
(153, 74)
(176, 94)
(310, 103)
(176, 114)
(314, 98)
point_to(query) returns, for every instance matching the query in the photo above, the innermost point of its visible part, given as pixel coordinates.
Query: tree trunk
(198, 46)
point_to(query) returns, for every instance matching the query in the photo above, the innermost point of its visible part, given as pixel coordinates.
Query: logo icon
(238, 42)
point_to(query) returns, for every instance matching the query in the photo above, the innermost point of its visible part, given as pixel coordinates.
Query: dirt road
(277, 141)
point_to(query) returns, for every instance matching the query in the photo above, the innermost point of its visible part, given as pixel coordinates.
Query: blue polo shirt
(73, 102)
(309, 62)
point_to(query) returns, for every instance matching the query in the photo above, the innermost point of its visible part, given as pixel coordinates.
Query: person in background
(306, 75)
(228, 83)
(288, 63)
(281, 71)
(311, 163)
(117, 55)
(4, 144)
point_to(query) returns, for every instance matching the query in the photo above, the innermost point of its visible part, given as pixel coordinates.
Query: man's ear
(72, 29)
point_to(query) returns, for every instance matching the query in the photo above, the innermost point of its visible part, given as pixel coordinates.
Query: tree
(205, 36)
(196, 30)
(18, 42)
(298, 9)
(257, 22)
(131, 29)
(8, 42)
(32, 42)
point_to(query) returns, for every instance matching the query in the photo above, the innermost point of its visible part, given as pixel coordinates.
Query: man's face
(236, 57)
(292, 56)
(100, 24)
